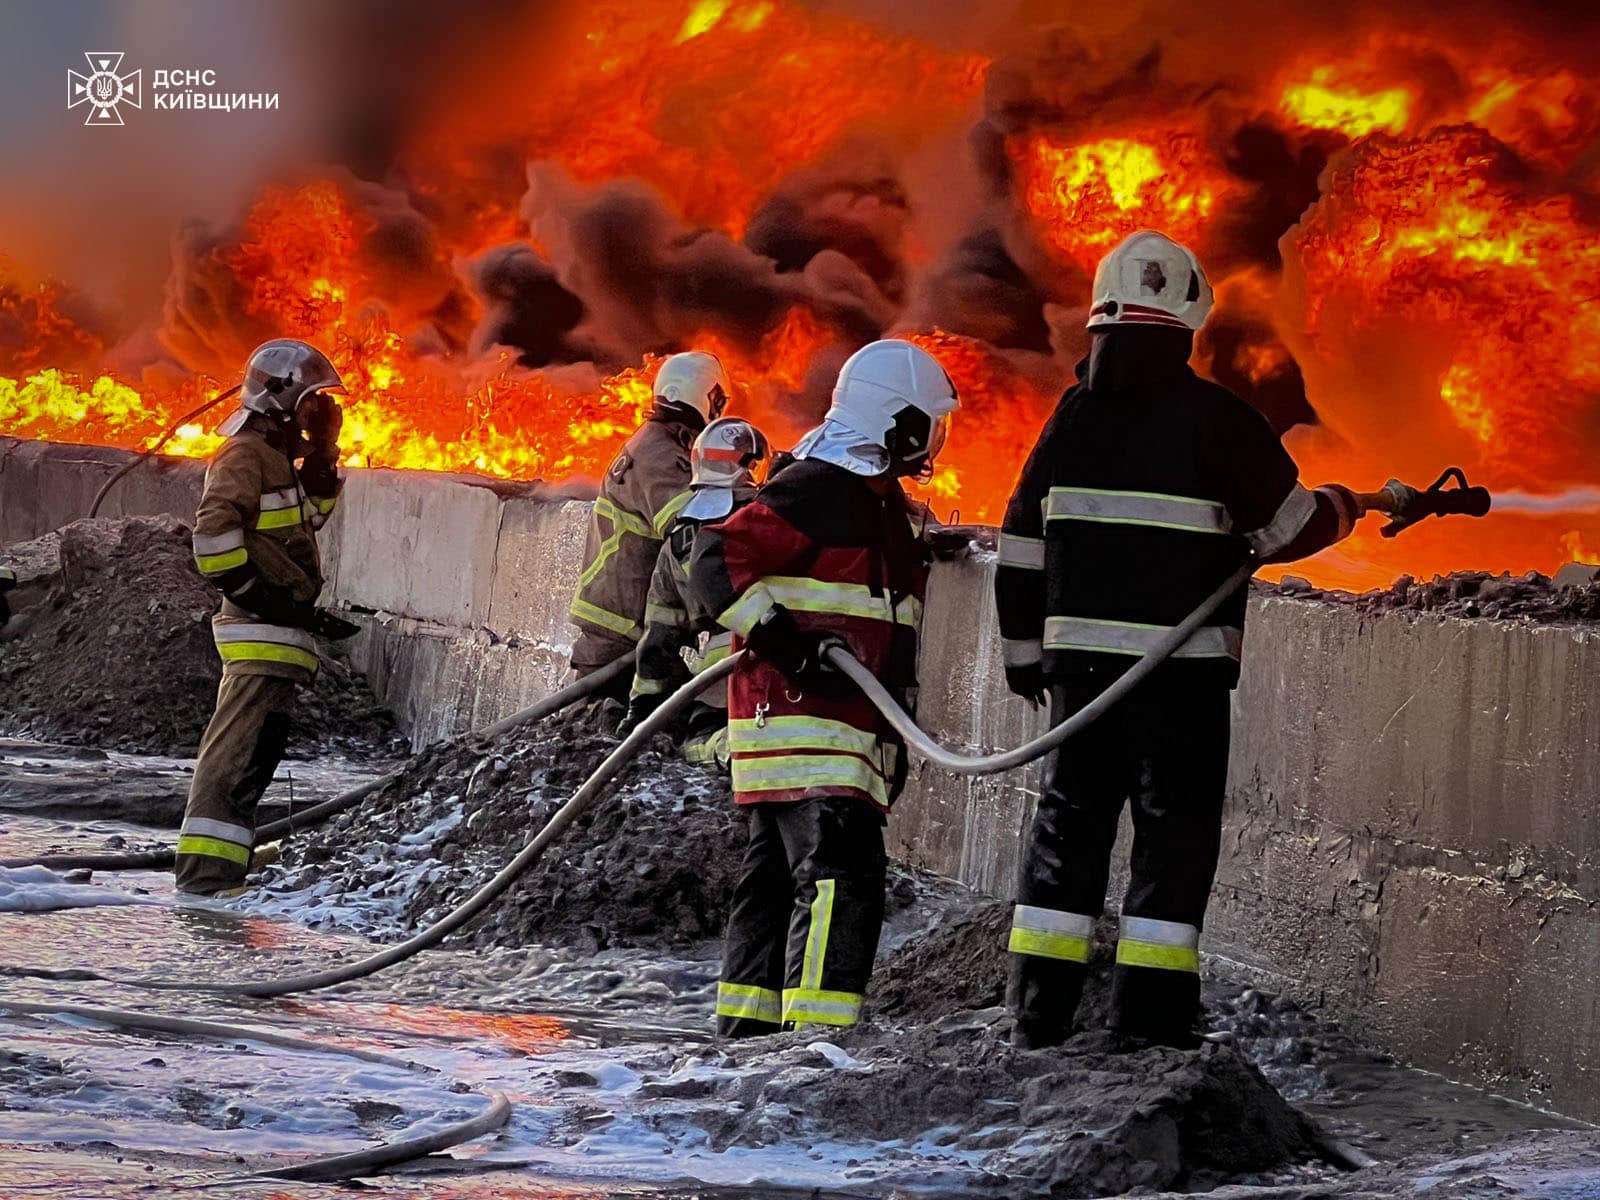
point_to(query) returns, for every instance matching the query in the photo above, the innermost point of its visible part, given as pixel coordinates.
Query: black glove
(329, 627)
(5, 610)
(273, 604)
(319, 473)
(321, 418)
(639, 710)
(799, 653)
(949, 544)
(1028, 682)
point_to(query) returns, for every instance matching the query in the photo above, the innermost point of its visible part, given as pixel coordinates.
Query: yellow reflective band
(671, 509)
(798, 772)
(324, 507)
(8, 575)
(664, 614)
(1026, 553)
(707, 749)
(267, 652)
(1133, 637)
(710, 657)
(745, 736)
(812, 1006)
(845, 599)
(596, 615)
(1133, 953)
(646, 687)
(280, 518)
(817, 936)
(621, 519)
(216, 564)
(214, 848)
(749, 1003)
(745, 613)
(1064, 946)
(1156, 509)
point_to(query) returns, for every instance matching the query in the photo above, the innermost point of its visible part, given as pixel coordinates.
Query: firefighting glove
(639, 710)
(273, 604)
(800, 654)
(321, 418)
(319, 473)
(329, 627)
(948, 544)
(1028, 682)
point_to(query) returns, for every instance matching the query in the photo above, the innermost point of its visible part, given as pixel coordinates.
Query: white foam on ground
(38, 889)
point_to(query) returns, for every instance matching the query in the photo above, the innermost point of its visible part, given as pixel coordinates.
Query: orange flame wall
(1410, 230)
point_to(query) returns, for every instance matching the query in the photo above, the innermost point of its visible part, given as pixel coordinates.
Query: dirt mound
(118, 654)
(1464, 594)
(1084, 1120)
(652, 864)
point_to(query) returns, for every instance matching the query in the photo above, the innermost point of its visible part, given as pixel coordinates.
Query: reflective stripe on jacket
(645, 488)
(1129, 512)
(841, 554)
(256, 522)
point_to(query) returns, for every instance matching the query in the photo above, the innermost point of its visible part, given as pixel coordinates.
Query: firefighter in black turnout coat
(1147, 487)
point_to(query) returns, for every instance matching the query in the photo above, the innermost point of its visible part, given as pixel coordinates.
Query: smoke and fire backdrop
(497, 216)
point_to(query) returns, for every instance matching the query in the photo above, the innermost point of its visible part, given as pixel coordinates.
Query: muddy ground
(111, 647)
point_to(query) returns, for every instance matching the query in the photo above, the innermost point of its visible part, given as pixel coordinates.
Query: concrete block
(418, 545)
(541, 554)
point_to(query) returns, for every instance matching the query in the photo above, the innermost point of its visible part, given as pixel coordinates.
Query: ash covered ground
(111, 647)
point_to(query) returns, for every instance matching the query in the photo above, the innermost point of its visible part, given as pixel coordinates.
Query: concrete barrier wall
(1413, 826)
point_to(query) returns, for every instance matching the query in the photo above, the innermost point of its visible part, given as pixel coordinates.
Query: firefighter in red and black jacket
(830, 552)
(1146, 489)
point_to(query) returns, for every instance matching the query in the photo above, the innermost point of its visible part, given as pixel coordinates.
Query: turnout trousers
(1164, 750)
(239, 754)
(807, 912)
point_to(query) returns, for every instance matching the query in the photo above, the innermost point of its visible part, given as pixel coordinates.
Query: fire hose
(156, 860)
(658, 721)
(154, 448)
(331, 1168)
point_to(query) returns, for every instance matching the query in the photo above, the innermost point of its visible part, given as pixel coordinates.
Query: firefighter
(255, 540)
(723, 463)
(1147, 487)
(829, 553)
(644, 489)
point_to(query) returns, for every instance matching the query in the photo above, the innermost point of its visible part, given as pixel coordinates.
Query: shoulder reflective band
(1165, 945)
(813, 1006)
(1024, 552)
(1021, 652)
(1051, 933)
(245, 642)
(1136, 508)
(670, 510)
(1129, 637)
(742, 1001)
(605, 619)
(219, 552)
(1297, 508)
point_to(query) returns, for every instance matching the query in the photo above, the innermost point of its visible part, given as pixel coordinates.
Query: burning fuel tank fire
(1403, 224)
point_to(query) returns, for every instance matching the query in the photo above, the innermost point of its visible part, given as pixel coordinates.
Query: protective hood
(708, 504)
(835, 442)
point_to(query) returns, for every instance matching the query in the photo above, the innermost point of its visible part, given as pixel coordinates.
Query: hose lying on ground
(614, 762)
(329, 1169)
(156, 860)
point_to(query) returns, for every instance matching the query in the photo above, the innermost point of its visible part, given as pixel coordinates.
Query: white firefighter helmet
(278, 375)
(891, 409)
(724, 457)
(1149, 279)
(696, 380)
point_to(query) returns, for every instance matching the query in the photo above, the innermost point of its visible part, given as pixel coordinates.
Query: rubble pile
(117, 652)
(1465, 594)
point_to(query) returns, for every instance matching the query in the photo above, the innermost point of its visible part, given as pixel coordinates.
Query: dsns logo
(103, 89)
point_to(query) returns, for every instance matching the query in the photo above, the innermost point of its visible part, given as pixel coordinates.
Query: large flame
(1440, 298)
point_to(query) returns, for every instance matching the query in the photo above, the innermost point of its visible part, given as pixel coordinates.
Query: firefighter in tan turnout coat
(255, 540)
(643, 492)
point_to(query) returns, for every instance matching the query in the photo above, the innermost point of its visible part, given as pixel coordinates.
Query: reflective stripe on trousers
(1132, 637)
(1136, 508)
(1051, 933)
(744, 1002)
(1165, 945)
